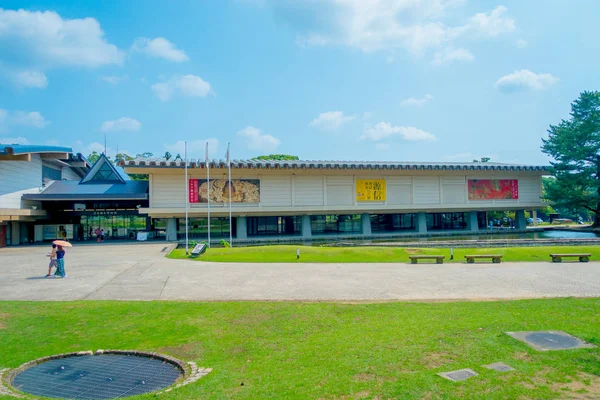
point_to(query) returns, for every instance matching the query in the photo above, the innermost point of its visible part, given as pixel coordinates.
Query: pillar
(306, 226)
(520, 221)
(171, 230)
(534, 216)
(15, 233)
(241, 228)
(365, 219)
(472, 222)
(421, 222)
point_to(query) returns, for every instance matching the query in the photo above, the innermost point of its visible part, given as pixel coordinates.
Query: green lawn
(303, 351)
(374, 254)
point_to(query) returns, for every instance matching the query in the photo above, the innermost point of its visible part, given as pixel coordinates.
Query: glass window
(335, 224)
(198, 228)
(392, 222)
(446, 221)
(274, 225)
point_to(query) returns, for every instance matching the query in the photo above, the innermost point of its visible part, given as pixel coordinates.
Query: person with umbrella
(60, 258)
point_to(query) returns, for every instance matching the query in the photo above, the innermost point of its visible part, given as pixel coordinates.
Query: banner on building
(242, 191)
(493, 189)
(370, 190)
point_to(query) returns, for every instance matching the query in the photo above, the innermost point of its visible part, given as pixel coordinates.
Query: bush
(225, 243)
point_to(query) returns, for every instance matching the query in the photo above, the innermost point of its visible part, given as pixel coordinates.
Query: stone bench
(438, 259)
(496, 258)
(583, 257)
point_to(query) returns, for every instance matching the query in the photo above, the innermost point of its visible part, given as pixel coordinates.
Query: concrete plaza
(141, 272)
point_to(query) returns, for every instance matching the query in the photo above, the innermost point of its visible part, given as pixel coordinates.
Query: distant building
(319, 199)
(28, 169)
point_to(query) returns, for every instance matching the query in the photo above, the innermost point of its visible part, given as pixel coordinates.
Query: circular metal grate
(552, 341)
(106, 376)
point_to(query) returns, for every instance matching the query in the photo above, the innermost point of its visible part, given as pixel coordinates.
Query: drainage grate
(499, 366)
(106, 376)
(458, 375)
(550, 340)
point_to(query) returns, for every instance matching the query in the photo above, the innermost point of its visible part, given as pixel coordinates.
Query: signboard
(49, 232)
(370, 190)
(493, 189)
(242, 191)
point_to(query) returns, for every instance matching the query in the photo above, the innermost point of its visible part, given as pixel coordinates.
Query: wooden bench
(583, 257)
(496, 258)
(438, 259)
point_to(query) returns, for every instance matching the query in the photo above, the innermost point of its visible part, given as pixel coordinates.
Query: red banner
(493, 189)
(193, 190)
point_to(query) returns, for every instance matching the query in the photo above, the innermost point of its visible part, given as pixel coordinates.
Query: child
(52, 256)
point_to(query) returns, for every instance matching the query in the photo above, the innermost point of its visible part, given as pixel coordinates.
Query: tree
(122, 157)
(93, 157)
(575, 146)
(167, 156)
(482, 159)
(144, 155)
(277, 157)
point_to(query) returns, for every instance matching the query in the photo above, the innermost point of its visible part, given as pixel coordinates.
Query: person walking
(102, 235)
(53, 263)
(60, 263)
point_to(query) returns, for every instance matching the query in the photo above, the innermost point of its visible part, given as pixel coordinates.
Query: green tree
(167, 156)
(144, 155)
(574, 144)
(122, 157)
(277, 157)
(482, 159)
(93, 157)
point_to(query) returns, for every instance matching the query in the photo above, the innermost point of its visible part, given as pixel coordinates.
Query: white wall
(18, 178)
(69, 174)
(287, 191)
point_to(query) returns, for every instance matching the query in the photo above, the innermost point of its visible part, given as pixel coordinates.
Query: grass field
(326, 350)
(374, 254)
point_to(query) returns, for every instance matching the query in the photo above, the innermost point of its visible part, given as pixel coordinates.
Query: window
(50, 174)
(392, 222)
(274, 226)
(105, 173)
(335, 224)
(198, 228)
(446, 221)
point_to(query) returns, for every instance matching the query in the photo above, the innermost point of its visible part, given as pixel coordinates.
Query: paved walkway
(140, 272)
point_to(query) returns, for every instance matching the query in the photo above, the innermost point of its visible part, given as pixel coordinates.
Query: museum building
(320, 199)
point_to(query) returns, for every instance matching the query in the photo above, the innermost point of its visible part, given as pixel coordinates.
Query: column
(366, 224)
(520, 221)
(241, 228)
(534, 216)
(306, 226)
(422, 222)
(15, 233)
(472, 222)
(171, 230)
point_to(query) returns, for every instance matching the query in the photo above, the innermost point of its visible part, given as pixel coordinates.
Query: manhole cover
(458, 375)
(550, 340)
(106, 376)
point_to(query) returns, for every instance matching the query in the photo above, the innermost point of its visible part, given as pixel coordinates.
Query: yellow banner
(370, 190)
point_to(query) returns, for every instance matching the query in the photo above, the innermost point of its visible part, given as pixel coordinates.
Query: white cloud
(113, 80)
(32, 79)
(32, 119)
(186, 85)
(382, 146)
(374, 25)
(411, 101)
(124, 124)
(255, 140)
(459, 157)
(14, 140)
(450, 55)
(43, 39)
(331, 120)
(522, 43)
(196, 149)
(525, 80)
(385, 130)
(161, 48)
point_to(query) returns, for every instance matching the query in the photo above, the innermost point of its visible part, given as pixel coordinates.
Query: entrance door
(2, 235)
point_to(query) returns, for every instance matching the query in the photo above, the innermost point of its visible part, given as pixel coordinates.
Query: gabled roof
(353, 165)
(104, 172)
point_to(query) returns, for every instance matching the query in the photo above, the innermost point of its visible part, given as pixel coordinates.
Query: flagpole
(187, 199)
(208, 191)
(229, 173)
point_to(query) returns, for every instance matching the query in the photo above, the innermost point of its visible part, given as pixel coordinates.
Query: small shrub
(225, 243)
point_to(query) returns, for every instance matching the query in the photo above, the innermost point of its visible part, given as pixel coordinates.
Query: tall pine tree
(574, 145)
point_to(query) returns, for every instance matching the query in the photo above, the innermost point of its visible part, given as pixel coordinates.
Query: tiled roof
(319, 164)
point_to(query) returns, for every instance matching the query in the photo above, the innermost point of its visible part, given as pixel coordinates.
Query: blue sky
(403, 80)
